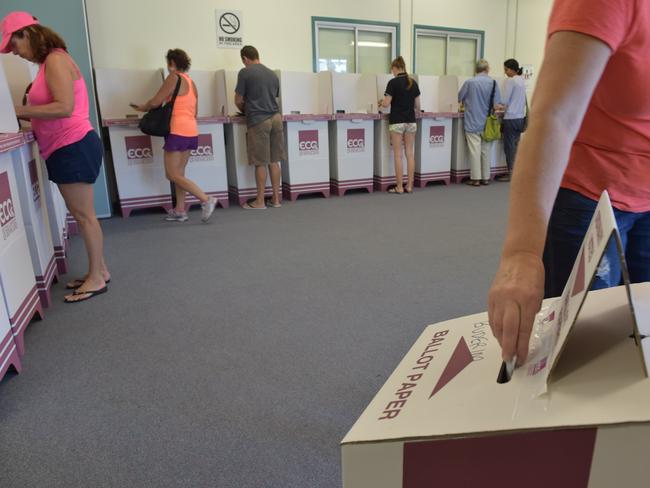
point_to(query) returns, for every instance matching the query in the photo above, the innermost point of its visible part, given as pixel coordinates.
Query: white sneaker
(174, 216)
(207, 208)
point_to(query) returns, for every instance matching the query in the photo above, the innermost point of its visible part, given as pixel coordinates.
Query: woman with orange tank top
(184, 134)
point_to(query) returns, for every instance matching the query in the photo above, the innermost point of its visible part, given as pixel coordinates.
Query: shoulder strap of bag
(491, 107)
(176, 90)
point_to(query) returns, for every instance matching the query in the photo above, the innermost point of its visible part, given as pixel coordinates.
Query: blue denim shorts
(78, 162)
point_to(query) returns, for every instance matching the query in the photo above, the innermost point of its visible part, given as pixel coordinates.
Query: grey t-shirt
(260, 88)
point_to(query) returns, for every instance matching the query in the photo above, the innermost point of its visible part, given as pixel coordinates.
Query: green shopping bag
(492, 131)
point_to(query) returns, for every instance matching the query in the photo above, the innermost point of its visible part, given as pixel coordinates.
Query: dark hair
(513, 64)
(180, 59)
(42, 41)
(400, 64)
(249, 52)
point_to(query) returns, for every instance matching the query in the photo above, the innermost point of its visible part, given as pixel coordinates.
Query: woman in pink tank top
(184, 136)
(58, 111)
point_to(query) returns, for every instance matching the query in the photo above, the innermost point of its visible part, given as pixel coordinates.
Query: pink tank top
(54, 134)
(184, 114)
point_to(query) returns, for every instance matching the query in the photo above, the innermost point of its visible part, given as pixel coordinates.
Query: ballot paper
(554, 324)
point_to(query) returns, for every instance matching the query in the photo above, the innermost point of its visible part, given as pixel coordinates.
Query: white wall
(137, 33)
(531, 27)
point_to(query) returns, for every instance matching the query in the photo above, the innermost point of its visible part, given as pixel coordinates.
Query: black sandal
(91, 294)
(393, 189)
(77, 282)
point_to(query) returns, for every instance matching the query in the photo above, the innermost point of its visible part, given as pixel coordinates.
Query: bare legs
(397, 141)
(79, 200)
(409, 143)
(175, 163)
(260, 180)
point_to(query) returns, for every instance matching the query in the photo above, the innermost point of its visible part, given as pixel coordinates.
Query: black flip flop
(91, 294)
(79, 282)
(393, 189)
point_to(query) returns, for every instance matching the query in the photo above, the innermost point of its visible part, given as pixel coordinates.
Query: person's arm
(165, 91)
(196, 94)
(60, 81)
(388, 96)
(240, 91)
(417, 104)
(507, 94)
(462, 94)
(572, 67)
(239, 102)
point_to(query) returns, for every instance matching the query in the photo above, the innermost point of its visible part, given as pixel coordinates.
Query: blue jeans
(567, 227)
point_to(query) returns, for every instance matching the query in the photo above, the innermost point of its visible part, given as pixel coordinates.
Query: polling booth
(574, 415)
(16, 271)
(8, 350)
(439, 107)
(241, 175)
(351, 133)
(30, 181)
(306, 110)
(384, 158)
(138, 159)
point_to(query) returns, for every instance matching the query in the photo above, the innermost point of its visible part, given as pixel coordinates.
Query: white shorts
(404, 128)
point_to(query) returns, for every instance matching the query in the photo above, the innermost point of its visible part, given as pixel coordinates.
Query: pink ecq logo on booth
(436, 135)
(308, 142)
(33, 178)
(8, 220)
(204, 151)
(356, 140)
(138, 148)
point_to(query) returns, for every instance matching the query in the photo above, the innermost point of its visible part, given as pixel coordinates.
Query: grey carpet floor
(237, 354)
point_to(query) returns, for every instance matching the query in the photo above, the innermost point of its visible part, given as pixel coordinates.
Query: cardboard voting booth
(30, 183)
(207, 164)
(439, 107)
(384, 157)
(351, 133)
(241, 175)
(306, 110)
(138, 159)
(16, 270)
(8, 350)
(575, 415)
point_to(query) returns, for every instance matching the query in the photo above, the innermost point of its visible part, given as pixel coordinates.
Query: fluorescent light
(371, 44)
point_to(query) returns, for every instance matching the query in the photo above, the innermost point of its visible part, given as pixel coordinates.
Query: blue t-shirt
(475, 95)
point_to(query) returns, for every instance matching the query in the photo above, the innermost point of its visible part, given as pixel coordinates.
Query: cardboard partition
(8, 349)
(32, 201)
(8, 120)
(117, 88)
(353, 93)
(16, 269)
(447, 401)
(302, 93)
(20, 74)
(226, 82)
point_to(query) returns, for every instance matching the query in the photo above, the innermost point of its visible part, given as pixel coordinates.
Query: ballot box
(574, 415)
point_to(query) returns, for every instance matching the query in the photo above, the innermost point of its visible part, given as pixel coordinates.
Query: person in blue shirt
(514, 118)
(475, 95)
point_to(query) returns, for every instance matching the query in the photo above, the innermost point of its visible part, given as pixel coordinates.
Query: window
(354, 46)
(441, 51)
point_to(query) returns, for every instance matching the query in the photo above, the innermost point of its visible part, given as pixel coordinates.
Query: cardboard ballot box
(575, 415)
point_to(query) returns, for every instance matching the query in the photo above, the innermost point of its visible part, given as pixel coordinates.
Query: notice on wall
(528, 74)
(229, 29)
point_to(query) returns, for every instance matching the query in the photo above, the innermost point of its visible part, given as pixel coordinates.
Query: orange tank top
(184, 114)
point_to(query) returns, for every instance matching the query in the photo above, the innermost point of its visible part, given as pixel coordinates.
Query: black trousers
(512, 129)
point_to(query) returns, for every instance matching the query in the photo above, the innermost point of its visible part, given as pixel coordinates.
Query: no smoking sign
(229, 29)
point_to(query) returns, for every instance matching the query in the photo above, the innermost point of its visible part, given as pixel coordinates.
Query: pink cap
(14, 22)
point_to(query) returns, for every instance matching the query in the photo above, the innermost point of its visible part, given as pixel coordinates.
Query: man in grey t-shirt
(257, 92)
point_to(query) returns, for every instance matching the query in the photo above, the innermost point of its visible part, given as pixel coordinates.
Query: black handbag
(157, 121)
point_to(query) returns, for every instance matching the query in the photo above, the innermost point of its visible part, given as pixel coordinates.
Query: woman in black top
(403, 96)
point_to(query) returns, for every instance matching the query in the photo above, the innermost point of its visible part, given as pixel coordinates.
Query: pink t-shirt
(53, 134)
(612, 150)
